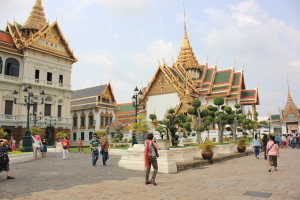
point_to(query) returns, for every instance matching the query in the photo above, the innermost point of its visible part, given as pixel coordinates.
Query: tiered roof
(17, 38)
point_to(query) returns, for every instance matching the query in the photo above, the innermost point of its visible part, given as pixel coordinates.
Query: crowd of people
(271, 145)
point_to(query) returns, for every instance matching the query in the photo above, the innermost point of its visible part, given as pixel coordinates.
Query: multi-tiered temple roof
(192, 80)
(36, 34)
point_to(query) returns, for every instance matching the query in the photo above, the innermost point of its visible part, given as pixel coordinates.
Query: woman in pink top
(273, 153)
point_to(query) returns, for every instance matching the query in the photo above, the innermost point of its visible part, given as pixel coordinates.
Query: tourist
(104, 149)
(79, 146)
(284, 141)
(292, 142)
(4, 159)
(37, 146)
(264, 144)
(273, 153)
(65, 144)
(95, 145)
(150, 157)
(13, 144)
(44, 149)
(298, 141)
(256, 146)
(278, 140)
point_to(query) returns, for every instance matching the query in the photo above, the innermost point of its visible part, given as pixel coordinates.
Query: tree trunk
(234, 129)
(208, 134)
(173, 138)
(220, 132)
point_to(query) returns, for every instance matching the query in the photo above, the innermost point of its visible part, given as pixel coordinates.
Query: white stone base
(135, 160)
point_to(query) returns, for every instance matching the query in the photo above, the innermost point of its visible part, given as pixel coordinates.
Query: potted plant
(242, 143)
(207, 148)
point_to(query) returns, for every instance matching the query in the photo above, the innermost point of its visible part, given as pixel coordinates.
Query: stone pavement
(241, 178)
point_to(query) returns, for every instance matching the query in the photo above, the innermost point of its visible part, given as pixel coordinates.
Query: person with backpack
(95, 145)
(104, 149)
(65, 144)
(273, 153)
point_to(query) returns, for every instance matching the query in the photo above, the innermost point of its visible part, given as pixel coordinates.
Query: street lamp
(34, 118)
(136, 98)
(49, 139)
(269, 120)
(28, 102)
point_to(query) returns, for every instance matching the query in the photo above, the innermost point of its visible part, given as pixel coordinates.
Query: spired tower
(36, 54)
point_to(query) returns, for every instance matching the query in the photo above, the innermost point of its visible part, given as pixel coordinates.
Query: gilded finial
(36, 19)
(164, 60)
(158, 62)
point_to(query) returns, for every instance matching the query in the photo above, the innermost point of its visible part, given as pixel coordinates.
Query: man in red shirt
(65, 144)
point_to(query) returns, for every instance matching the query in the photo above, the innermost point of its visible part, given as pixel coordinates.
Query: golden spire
(186, 56)
(36, 19)
(290, 105)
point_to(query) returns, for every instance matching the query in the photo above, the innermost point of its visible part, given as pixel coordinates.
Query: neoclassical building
(37, 54)
(288, 119)
(92, 109)
(177, 85)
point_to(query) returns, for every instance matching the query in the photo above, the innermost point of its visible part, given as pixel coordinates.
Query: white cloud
(121, 6)
(157, 50)
(268, 46)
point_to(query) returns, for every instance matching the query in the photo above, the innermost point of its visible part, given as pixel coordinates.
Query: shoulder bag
(102, 149)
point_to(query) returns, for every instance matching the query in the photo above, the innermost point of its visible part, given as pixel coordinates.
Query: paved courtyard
(242, 178)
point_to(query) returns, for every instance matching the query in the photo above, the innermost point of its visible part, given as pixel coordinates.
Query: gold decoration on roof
(186, 56)
(290, 105)
(36, 19)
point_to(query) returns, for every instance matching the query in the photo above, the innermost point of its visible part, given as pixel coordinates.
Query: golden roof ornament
(36, 19)
(290, 105)
(186, 56)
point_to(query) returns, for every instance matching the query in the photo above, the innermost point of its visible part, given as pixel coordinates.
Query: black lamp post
(135, 103)
(50, 139)
(269, 125)
(28, 102)
(35, 118)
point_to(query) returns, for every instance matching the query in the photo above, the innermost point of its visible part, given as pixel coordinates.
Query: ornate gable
(108, 93)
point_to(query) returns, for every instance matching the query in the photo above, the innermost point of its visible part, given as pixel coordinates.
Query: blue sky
(121, 41)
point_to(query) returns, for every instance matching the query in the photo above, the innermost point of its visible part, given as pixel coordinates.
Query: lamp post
(28, 102)
(135, 103)
(269, 125)
(50, 139)
(34, 117)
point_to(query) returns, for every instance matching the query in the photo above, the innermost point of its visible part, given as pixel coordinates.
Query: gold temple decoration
(186, 56)
(36, 19)
(290, 105)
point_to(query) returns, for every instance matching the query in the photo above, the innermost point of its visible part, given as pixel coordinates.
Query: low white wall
(19, 158)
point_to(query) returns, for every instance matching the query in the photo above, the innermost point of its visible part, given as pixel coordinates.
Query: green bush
(20, 149)
(193, 134)
(115, 140)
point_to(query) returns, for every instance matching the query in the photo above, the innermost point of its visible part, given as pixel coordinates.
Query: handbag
(65, 147)
(270, 148)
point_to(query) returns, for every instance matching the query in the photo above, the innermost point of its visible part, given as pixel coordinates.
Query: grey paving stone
(258, 194)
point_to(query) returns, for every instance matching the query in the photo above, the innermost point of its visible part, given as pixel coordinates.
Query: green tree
(234, 120)
(170, 125)
(2, 133)
(196, 113)
(222, 116)
(62, 135)
(141, 126)
(160, 129)
(100, 133)
(152, 117)
(37, 131)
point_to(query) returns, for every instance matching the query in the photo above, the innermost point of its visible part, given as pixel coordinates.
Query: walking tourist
(278, 140)
(256, 146)
(65, 144)
(95, 145)
(150, 157)
(264, 144)
(37, 146)
(4, 160)
(293, 142)
(44, 148)
(104, 149)
(79, 146)
(298, 141)
(273, 153)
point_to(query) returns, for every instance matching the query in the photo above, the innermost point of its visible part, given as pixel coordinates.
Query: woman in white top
(256, 146)
(37, 145)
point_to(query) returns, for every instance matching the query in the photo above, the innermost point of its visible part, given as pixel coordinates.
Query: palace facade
(288, 119)
(37, 54)
(92, 109)
(177, 85)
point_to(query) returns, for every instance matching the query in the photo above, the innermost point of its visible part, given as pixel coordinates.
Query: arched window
(0, 65)
(12, 67)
